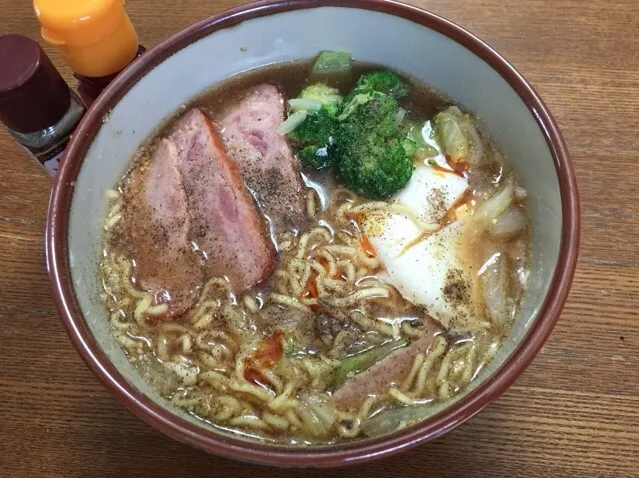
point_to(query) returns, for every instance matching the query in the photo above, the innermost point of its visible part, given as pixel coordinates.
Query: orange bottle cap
(74, 22)
(96, 37)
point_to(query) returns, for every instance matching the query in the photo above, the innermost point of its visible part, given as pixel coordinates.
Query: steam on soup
(315, 252)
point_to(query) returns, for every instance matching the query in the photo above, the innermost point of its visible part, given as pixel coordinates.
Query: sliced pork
(225, 222)
(391, 369)
(268, 166)
(157, 222)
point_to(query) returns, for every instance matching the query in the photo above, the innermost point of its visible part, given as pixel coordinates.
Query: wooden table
(575, 412)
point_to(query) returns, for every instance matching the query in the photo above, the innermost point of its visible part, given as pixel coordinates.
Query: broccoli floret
(315, 134)
(321, 92)
(370, 85)
(380, 81)
(410, 147)
(329, 97)
(315, 138)
(374, 158)
(354, 103)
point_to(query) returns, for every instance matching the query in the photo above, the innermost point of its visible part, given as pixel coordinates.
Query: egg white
(428, 269)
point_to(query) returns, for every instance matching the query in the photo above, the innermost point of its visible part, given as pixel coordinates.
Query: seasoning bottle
(95, 37)
(36, 106)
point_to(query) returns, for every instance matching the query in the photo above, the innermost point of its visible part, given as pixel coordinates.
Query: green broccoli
(315, 134)
(410, 146)
(354, 103)
(358, 134)
(327, 96)
(374, 159)
(381, 81)
(315, 137)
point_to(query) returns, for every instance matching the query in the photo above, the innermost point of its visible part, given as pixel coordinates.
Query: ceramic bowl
(402, 37)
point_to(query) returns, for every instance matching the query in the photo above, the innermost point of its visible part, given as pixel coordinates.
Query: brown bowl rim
(328, 456)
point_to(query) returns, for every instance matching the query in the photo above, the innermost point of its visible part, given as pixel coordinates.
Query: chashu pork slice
(268, 166)
(156, 222)
(392, 369)
(225, 223)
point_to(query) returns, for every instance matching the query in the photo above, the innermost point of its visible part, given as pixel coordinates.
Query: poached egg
(425, 262)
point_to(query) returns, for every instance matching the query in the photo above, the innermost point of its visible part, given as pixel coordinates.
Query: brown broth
(193, 361)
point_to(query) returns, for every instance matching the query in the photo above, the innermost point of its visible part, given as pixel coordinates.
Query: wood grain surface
(574, 412)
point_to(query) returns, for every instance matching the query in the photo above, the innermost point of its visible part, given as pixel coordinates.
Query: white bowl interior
(370, 36)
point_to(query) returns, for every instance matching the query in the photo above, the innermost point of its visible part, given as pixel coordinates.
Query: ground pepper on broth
(299, 358)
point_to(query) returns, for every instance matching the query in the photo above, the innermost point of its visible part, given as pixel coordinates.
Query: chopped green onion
(330, 99)
(292, 122)
(291, 347)
(360, 362)
(332, 62)
(399, 117)
(298, 104)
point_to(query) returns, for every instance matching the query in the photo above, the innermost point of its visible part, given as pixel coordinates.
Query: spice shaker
(36, 106)
(95, 37)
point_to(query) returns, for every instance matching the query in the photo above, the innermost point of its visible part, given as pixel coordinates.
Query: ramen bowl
(399, 36)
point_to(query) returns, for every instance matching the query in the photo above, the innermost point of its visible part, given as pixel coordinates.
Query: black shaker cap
(33, 95)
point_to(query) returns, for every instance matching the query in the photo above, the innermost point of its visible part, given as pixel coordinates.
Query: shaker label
(50, 159)
(51, 165)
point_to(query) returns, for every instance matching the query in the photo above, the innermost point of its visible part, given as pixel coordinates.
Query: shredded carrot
(254, 376)
(270, 350)
(311, 287)
(367, 247)
(324, 263)
(311, 290)
(352, 216)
